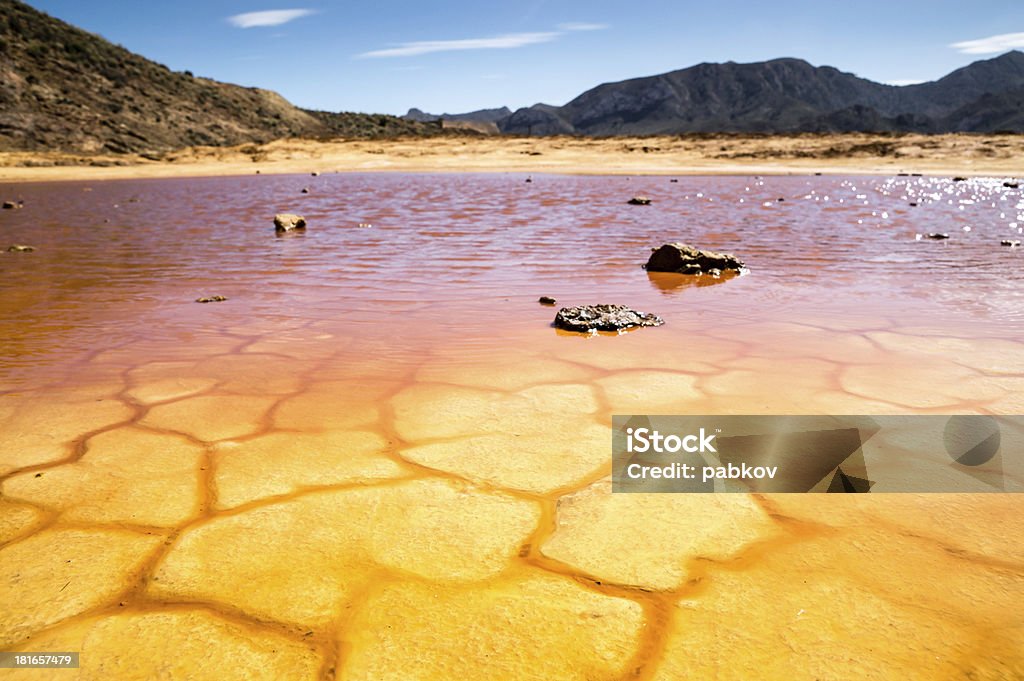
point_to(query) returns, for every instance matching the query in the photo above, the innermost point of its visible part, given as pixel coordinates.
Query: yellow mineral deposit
(260, 512)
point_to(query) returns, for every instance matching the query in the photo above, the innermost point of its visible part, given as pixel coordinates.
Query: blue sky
(389, 55)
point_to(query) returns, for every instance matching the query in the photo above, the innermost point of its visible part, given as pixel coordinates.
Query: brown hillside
(62, 88)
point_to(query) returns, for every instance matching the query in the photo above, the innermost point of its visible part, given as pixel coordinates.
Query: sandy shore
(997, 155)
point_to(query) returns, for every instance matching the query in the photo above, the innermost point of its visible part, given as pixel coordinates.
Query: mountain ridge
(784, 95)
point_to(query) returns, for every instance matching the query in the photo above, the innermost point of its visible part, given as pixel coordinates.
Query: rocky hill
(62, 88)
(483, 115)
(785, 96)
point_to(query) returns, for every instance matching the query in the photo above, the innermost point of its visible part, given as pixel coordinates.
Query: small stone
(529, 179)
(781, 199)
(587, 318)
(8, 205)
(546, 300)
(639, 201)
(913, 204)
(685, 259)
(673, 180)
(1009, 242)
(314, 173)
(305, 190)
(286, 222)
(959, 179)
(21, 248)
(211, 299)
(938, 235)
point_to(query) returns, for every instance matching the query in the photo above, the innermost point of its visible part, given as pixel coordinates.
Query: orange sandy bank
(997, 155)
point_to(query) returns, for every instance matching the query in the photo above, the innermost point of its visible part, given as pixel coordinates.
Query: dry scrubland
(692, 154)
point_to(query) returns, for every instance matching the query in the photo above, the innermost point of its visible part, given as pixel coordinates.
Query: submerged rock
(211, 299)
(546, 300)
(938, 235)
(586, 318)
(20, 248)
(286, 222)
(1011, 185)
(1012, 243)
(685, 259)
(639, 201)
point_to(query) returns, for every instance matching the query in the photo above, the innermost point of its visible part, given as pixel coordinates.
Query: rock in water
(211, 299)
(1012, 243)
(19, 248)
(639, 201)
(938, 235)
(286, 222)
(10, 205)
(546, 300)
(586, 318)
(686, 259)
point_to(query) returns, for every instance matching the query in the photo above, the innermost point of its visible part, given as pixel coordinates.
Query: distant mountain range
(62, 88)
(483, 115)
(781, 96)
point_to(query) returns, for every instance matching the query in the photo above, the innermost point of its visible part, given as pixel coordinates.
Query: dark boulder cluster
(685, 259)
(677, 258)
(587, 318)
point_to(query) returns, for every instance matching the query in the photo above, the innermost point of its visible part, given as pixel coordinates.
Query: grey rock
(685, 259)
(587, 318)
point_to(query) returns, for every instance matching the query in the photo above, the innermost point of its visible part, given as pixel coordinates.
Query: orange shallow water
(378, 450)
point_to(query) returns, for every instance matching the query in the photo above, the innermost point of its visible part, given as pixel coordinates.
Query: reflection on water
(127, 257)
(669, 282)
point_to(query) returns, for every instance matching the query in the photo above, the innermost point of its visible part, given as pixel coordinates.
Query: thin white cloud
(270, 17)
(501, 42)
(991, 44)
(580, 26)
(904, 81)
